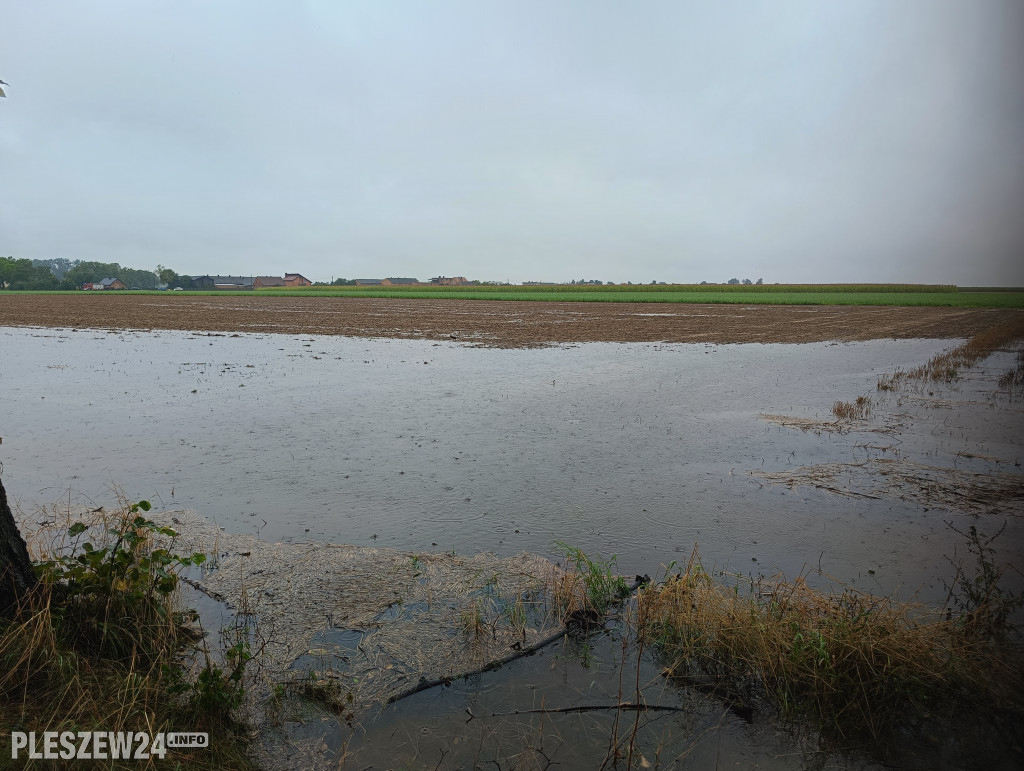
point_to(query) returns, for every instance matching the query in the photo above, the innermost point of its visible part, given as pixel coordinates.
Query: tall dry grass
(946, 366)
(1013, 379)
(857, 665)
(859, 409)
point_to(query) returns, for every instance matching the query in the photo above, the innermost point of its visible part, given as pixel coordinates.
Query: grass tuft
(589, 586)
(860, 409)
(472, 620)
(857, 665)
(1013, 380)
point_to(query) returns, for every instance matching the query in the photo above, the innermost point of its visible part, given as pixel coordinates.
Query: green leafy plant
(116, 588)
(100, 645)
(217, 691)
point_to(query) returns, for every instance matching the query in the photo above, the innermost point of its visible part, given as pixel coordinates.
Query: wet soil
(498, 323)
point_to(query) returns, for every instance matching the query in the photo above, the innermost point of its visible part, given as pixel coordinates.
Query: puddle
(331, 649)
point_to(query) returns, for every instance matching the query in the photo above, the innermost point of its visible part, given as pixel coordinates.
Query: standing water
(636, 450)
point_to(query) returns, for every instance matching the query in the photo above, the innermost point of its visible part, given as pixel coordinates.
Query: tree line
(62, 273)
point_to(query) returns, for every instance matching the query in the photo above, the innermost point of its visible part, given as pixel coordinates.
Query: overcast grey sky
(672, 141)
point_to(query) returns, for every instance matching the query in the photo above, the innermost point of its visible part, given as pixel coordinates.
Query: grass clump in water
(472, 620)
(589, 586)
(860, 409)
(1013, 379)
(857, 665)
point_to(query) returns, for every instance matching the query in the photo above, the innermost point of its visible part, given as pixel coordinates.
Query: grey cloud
(679, 141)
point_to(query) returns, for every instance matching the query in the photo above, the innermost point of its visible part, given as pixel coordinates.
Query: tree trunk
(16, 574)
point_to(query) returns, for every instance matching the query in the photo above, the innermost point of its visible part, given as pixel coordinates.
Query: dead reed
(857, 665)
(946, 366)
(1013, 380)
(856, 410)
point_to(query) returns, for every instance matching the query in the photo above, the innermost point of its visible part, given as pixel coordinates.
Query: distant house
(261, 282)
(448, 280)
(296, 279)
(234, 283)
(369, 282)
(225, 283)
(400, 282)
(107, 283)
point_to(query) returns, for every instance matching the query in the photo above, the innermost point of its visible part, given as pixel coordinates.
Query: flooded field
(636, 450)
(640, 450)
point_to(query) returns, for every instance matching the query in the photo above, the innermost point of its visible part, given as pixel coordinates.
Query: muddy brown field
(502, 324)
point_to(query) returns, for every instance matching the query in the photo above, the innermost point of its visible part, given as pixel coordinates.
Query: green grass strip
(781, 294)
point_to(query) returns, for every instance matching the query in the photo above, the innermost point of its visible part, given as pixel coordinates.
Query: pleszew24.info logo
(101, 745)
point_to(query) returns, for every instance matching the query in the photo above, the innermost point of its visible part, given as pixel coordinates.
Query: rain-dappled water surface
(634, 450)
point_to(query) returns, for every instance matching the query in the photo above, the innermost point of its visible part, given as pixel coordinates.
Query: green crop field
(776, 294)
(767, 294)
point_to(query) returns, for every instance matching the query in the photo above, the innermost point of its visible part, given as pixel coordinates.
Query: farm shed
(261, 282)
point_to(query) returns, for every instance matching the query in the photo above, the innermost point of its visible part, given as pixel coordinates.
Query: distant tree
(88, 273)
(138, 279)
(759, 281)
(22, 274)
(703, 282)
(167, 276)
(343, 282)
(92, 272)
(58, 266)
(747, 281)
(734, 281)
